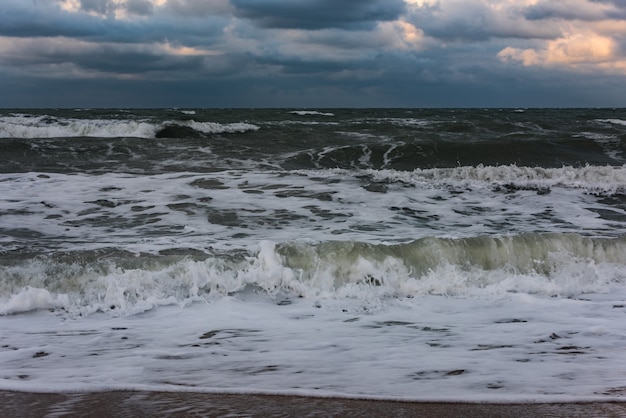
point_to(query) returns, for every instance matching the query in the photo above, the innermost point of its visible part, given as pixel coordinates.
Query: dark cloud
(139, 7)
(616, 3)
(477, 21)
(590, 10)
(47, 21)
(286, 65)
(310, 53)
(198, 8)
(56, 59)
(23, 20)
(103, 7)
(112, 61)
(103, 59)
(319, 14)
(405, 83)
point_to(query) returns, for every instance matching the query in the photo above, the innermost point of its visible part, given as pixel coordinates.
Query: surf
(25, 126)
(120, 283)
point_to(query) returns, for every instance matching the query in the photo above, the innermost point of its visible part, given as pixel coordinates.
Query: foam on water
(311, 112)
(606, 179)
(377, 253)
(44, 126)
(216, 128)
(123, 284)
(26, 126)
(518, 348)
(613, 121)
(31, 299)
(410, 122)
(152, 213)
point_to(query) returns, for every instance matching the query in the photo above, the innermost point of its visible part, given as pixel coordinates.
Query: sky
(313, 53)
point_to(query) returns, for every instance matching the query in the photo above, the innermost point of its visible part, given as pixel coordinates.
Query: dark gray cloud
(56, 59)
(110, 7)
(102, 58)
(22, 19)
(472, 21)
(103, 7)
(406, 83)
(139, 7)
(562, 10)
(585, 10)
(311, 53)
(198, 8)
(319, 14)
(50, 21)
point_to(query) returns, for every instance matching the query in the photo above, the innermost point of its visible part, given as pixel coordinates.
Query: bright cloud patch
(585, 47)
(577, 49)
(570, 34)
(118, 9)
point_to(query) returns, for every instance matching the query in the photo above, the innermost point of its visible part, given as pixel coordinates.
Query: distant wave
(605, 179)
(44, 126)
(191, 128)
(311, 112)
(613, 121)
(592, 179)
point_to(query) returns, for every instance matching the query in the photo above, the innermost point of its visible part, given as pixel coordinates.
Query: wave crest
(593, 179)
(564, 265)
(44, 126)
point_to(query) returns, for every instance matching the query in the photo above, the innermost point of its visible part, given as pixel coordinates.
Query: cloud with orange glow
(575, 35)
(580, 50)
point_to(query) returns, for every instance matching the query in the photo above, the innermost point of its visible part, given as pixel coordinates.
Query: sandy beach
(138, 404)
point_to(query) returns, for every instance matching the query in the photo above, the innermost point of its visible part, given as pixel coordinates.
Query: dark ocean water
(161, 141)
(384, 215)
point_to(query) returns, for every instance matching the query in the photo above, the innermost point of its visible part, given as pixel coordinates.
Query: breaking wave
(44, 126)
(556, 265)
(311, 113)
(601, 179)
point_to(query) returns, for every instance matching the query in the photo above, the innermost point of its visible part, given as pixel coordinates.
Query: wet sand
(156, 404)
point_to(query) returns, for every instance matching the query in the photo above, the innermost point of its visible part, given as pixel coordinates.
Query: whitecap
(311, 112)
(30, 299)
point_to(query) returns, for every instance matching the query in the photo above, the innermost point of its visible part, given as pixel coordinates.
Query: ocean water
(415, 254)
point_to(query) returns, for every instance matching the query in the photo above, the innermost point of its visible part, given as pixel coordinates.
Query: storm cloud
(313, 53)
(318, 14)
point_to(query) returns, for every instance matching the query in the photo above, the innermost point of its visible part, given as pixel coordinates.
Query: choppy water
(414, 254)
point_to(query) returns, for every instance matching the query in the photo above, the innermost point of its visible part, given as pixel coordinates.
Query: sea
(404, 254)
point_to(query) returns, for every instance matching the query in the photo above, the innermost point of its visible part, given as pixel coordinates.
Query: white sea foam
(152, 213)
(613, 121)
(31, 299)
(606, 179)
(261, 325)
(25, 126)
(216, 128)
(303, 123)
(487, 283)
(518, 348)
(559, 265)
(416, 122)
(311, 112)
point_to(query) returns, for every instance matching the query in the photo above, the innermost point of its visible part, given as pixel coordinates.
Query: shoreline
(180, 404)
